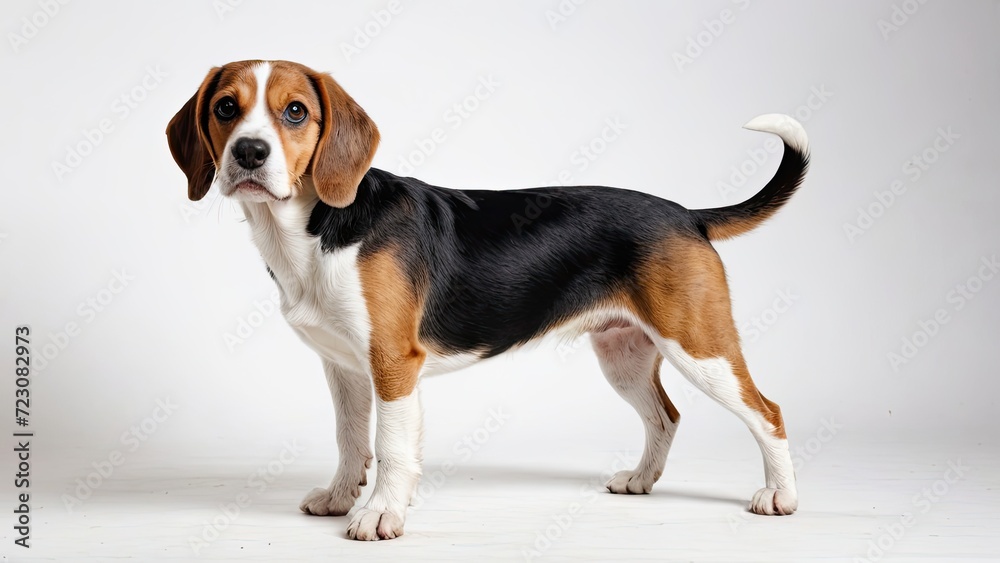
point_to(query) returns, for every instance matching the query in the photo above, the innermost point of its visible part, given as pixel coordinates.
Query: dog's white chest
(329, 313)
(321, 295)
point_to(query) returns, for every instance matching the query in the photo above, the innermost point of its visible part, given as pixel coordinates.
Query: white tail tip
(784, 126)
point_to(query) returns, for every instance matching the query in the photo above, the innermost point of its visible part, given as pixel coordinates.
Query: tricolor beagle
(389, 279)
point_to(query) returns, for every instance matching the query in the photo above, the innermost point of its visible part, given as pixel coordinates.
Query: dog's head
(255, 129)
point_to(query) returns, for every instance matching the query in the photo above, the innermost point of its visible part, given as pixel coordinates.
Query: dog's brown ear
(189, 143)
(346, 145)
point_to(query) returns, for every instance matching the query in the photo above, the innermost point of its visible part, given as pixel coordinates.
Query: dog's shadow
(496, 478)
(212, 487)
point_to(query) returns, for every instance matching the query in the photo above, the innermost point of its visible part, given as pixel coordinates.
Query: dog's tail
(727, 222)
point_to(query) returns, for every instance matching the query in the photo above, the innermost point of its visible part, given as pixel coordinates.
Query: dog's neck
(292, 235)
(279, 229)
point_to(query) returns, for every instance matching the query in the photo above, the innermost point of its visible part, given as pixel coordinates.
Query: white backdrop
(136, 295)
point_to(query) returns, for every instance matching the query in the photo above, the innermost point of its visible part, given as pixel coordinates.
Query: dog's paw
(774, 502)
(630, 483)
(339, 498)
(372, 525)
(335, 501)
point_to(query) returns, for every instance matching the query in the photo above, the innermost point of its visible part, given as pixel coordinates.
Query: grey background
(884, 96)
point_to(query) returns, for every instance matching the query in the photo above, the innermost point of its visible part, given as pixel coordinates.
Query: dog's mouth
(253, 191)
(249, 187)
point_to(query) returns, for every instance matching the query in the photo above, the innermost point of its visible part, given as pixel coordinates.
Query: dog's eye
(225, 109)
(295, 112)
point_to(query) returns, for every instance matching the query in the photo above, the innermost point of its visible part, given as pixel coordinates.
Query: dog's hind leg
(688, 305)
(631, 364)
(725, 378)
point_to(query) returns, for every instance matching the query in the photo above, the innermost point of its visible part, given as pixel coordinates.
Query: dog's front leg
(352, 402)
(398, 432)
(395, 357)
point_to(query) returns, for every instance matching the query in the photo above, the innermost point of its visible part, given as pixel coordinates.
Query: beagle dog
(390, 279)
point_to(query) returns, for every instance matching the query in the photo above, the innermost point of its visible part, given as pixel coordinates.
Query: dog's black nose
(250, 153)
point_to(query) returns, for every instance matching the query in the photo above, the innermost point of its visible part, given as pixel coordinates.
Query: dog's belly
(439, 363)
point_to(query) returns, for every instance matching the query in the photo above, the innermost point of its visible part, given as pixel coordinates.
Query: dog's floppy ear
(346, 145)
(189, 142)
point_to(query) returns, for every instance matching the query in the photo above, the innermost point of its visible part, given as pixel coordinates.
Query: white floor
(539, 506)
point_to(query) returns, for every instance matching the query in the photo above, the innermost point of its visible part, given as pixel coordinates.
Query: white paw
(372, 525)
(774, 502)
(329, 502)
(630, 483)
(339, 498)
